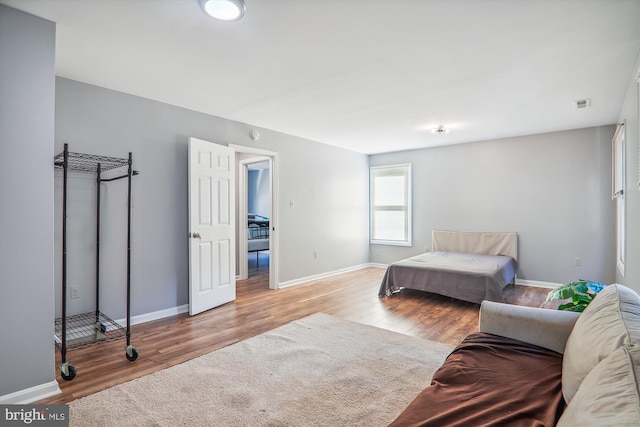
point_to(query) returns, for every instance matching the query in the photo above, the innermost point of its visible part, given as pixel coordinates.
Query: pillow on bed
(611, 321)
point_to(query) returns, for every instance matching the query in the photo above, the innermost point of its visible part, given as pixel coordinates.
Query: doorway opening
(256, 234)
(258, 217)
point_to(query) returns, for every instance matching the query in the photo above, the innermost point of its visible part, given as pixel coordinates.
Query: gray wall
(629, 112)
(327, 184)
(258, 196)
(553, 189)
(27, 53)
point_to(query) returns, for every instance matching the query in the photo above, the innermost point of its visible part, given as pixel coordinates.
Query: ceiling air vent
(582, 103)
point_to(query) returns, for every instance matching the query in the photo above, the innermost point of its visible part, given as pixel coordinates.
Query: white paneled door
(212, 279)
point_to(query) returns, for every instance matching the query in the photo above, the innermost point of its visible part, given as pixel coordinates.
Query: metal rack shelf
(83, 330)
(89, 162)
(86, 329)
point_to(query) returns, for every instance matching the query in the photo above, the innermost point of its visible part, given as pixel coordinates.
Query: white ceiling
(368, 75)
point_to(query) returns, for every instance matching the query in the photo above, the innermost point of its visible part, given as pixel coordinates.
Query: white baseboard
(537, 284)
(519, 282)
(173, 311)
(321, 276)
(50, 389)
(377, 265)
(160, 314)
(155, 315)
(32, 394)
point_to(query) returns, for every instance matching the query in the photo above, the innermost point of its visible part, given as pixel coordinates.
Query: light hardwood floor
(257, 309)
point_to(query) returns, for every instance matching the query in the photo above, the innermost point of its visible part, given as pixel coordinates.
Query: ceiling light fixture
(224, 10)
(440, 130)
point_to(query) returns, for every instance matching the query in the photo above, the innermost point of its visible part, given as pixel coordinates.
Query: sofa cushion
(608, 396)
(611, 321)
(490, 380)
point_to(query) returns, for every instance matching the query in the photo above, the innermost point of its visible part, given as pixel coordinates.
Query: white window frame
(638, 111)
(373, 170)
(618, 194)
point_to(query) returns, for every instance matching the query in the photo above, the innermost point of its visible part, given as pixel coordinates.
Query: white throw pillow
(612, 320)
(608, 396)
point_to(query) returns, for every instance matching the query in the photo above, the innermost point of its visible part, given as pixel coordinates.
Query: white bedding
(462, 263)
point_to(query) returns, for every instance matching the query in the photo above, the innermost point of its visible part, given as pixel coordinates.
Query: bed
(257, 234)
(469, 266)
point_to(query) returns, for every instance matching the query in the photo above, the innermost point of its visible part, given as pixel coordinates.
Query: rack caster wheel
(131, 353)
(68, 372)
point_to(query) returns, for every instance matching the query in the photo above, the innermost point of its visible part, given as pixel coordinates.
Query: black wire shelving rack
(86, 329)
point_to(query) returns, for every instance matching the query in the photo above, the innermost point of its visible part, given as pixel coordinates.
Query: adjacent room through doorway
(258, 217)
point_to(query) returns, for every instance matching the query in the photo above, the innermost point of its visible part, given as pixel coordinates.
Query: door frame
(274, 252)
(243, 210)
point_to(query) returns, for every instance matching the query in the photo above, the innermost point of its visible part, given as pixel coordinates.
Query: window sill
(389, 243)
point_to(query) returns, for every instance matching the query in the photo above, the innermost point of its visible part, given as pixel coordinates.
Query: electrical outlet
(577, 262)
(75, 293)
(315, 254)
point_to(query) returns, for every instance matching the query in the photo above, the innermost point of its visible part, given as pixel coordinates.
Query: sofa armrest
(539, 326)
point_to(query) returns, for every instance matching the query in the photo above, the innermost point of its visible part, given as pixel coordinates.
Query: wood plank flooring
(257, 309)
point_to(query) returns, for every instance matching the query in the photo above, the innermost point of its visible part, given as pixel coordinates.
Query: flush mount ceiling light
(440, 130)
(224, 10)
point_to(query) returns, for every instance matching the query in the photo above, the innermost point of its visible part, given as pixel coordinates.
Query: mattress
(468, 277)
(257, 245)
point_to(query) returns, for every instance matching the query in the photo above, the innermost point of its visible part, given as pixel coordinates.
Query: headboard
(476, 242)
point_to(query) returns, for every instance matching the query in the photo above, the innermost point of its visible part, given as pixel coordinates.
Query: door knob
(195, 235)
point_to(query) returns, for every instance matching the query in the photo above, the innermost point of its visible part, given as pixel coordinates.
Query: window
(390, 210)
(618, 148)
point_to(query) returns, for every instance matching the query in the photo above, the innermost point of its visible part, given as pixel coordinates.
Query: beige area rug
(316, 371)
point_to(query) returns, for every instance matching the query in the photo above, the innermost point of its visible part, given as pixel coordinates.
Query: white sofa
(601, 353)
